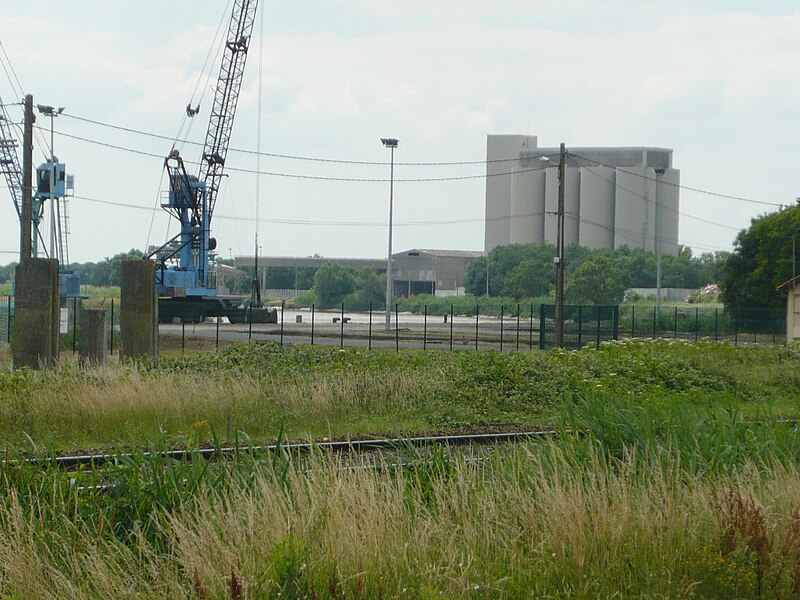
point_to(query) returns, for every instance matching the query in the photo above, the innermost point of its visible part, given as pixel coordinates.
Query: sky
(716, 81)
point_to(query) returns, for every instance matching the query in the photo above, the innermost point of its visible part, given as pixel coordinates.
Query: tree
(530, 279)
(332, 282)
(762, 259)
(475, 278)
(596, 281)
(370, 289)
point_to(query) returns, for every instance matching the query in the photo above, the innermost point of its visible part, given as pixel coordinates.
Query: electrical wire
(304, 158)
(653, 202)
(683, 187)
(381, 224)
(312, 177)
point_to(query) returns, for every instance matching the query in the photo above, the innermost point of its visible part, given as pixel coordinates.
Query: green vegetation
(632, 268)
(763, 258)
(315, 391)
(680, 483)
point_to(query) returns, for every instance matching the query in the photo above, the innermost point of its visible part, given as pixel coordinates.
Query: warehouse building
(415, 271)
(439, 272)
(613, 196)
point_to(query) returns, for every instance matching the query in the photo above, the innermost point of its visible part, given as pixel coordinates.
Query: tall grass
(314, 391)
(533, 521)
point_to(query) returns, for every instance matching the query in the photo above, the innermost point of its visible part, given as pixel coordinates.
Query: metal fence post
(518, 307)
(541, 326)
(8, 319)
(283, 306)
(597, 342)
(112, 326)
(502, 316)
(580, 326)
(530, 331)
(216, 333)
(633, 322)
(451, 327)
(716, 324)
(183, 336)
(396, 328)
(74, 324)
(313, 314)
(616, 323)
(675, 332)
(696, 322)
(250, 322)
(425, 329)
(654, 322)
(477, 308)
(341, 329)
(369, 335)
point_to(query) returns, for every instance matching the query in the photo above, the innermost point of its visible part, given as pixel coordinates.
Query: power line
(312, 177)
(381, 224)
(669, 208)
(296, 157)
(683, 187)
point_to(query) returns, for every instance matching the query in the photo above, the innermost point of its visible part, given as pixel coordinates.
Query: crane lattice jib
(9, 161)
(225, 98)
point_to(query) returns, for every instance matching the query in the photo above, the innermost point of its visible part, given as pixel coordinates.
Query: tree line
(764, 257)
(593, 276)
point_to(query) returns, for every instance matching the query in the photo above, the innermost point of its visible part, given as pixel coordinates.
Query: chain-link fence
(749, 325)
(515, 327)
(583, 325)
(6, 318)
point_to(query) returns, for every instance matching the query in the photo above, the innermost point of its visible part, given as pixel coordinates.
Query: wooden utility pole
(559, 316)
(25, 241)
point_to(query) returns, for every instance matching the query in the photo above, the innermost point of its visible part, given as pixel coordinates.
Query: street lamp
(657, 240)
(390, 143)
(49, 111)
(559, 258)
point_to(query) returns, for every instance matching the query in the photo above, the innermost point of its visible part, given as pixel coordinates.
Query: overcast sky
(717, 81)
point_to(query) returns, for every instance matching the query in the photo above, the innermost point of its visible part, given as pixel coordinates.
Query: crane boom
(226, 96)
(186, 288)
(9, 161)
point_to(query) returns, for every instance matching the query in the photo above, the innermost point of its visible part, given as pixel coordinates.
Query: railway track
(341, 446)
(72, 461)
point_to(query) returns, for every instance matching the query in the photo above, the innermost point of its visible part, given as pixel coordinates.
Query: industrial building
(611, 195)
(415, 271)
(439, 272)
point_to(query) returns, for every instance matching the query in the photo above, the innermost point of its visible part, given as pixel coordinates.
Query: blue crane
(184, 286)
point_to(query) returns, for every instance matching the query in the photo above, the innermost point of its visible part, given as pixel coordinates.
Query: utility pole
(27, 183)
(657, 240)
(559, 260)
(390, 143)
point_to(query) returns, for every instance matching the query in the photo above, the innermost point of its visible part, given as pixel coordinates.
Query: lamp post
(559, 316)
(658, 228)
(49, 111)
(390, 143)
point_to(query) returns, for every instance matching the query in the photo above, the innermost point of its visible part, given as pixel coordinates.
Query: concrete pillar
(139, 312)
(92, 337)
(36, 316)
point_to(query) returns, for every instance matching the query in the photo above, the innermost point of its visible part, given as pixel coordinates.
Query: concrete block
(36, 317)
(139, 311)
(92, 348)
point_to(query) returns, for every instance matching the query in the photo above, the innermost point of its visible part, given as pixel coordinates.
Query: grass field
(680, 485)
(313, 392)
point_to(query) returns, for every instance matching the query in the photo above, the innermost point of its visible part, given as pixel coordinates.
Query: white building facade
(613, 196)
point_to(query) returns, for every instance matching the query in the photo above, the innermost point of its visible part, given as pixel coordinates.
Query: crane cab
(62, 183)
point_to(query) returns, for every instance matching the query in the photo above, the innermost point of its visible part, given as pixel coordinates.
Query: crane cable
(205, 73)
